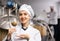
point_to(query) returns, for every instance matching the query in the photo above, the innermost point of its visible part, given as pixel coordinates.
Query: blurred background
(9, 10)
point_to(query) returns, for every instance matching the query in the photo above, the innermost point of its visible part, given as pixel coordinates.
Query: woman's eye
(25, 14)
(20, 14)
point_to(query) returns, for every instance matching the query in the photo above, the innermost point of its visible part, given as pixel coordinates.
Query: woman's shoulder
(18, 27)
(34, 28)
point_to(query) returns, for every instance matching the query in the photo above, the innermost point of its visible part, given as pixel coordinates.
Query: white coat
(53, 16)
(34, 34)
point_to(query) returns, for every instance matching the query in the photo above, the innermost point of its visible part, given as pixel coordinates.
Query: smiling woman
(24, 31)
(24, 17)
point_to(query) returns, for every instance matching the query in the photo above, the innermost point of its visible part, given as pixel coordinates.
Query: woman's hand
(11, 30)
(24, 36)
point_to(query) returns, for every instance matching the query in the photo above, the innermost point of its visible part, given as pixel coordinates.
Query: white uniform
(53, 18)
(34, 34)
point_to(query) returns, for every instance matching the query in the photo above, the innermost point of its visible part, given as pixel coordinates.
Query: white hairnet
(27, 8)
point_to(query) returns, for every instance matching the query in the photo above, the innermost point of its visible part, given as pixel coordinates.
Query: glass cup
(14, 22)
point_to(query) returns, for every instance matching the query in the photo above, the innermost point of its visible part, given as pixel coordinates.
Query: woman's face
(24, 17)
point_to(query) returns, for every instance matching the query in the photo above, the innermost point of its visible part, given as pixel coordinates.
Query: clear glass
(13, 22)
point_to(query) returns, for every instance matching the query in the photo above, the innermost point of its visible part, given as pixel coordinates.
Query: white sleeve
(37, 37)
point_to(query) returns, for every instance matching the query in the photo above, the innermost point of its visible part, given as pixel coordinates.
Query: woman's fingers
(11, 30)
(23, 36)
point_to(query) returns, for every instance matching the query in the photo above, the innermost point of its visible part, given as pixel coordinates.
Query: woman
(24, 31)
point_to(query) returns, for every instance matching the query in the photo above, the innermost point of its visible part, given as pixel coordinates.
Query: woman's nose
(23, 15)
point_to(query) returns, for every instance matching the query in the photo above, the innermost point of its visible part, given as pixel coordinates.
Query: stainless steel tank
(5, 21)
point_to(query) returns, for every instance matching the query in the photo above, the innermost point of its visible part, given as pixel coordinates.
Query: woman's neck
(25, 25)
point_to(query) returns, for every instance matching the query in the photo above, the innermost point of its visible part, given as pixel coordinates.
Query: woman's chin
(23, 22)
